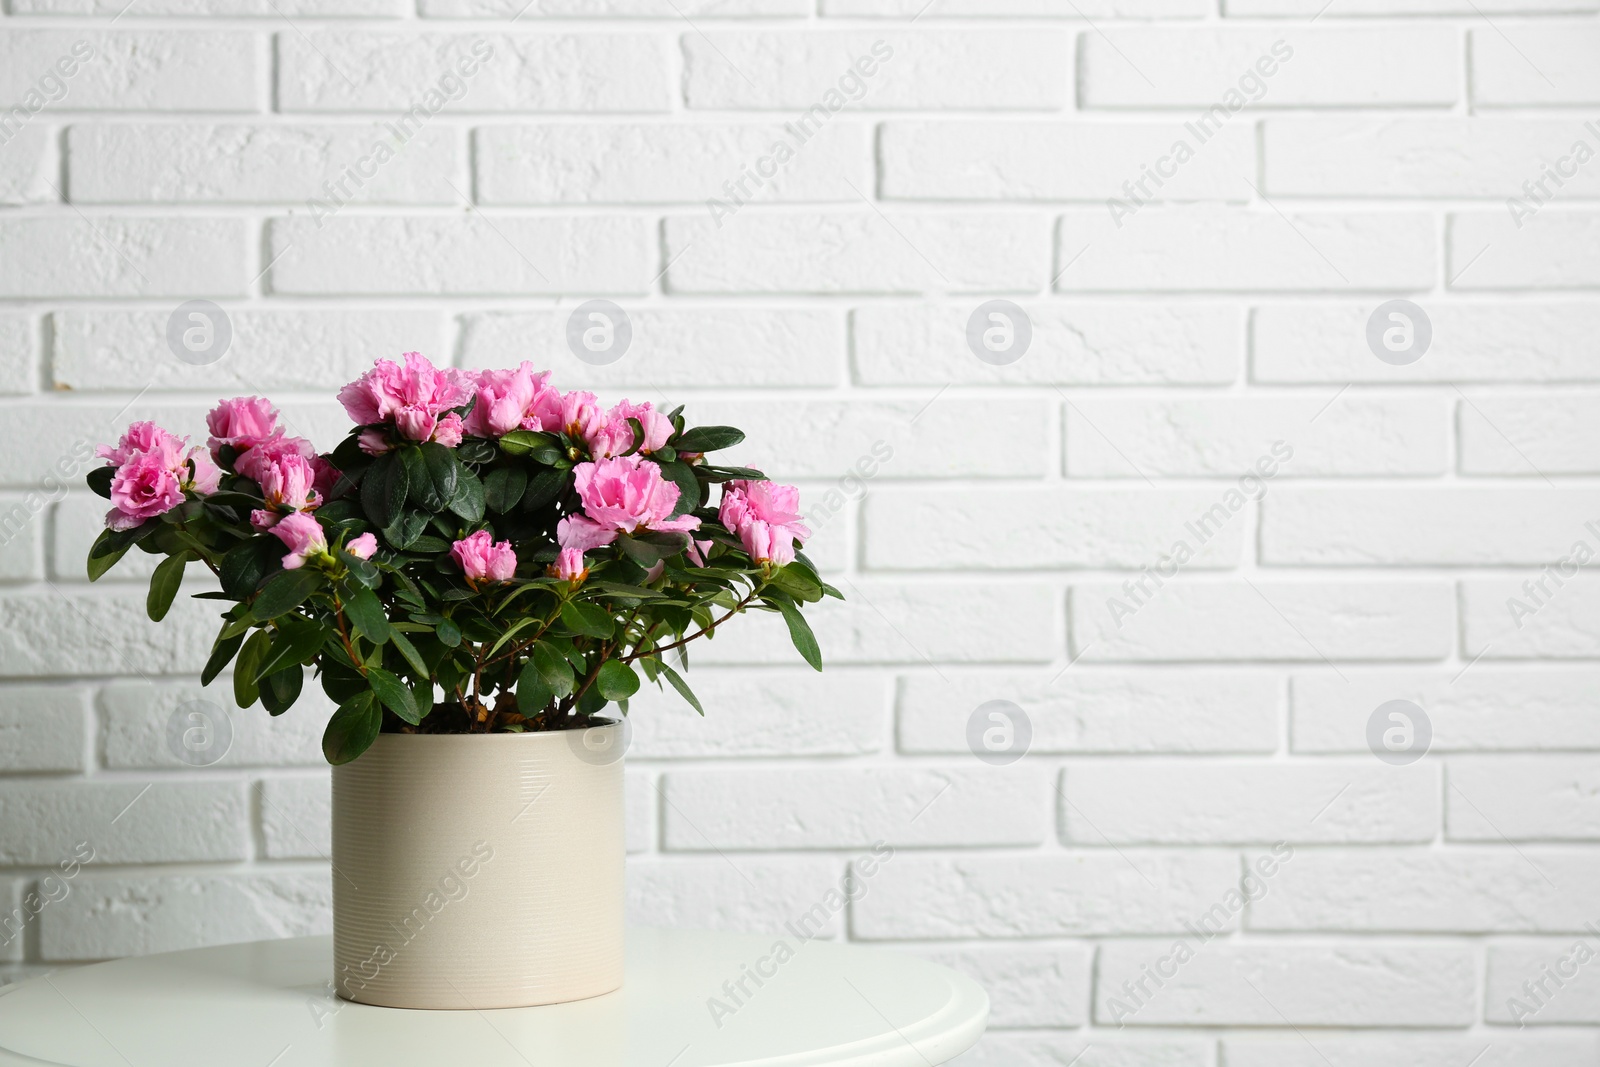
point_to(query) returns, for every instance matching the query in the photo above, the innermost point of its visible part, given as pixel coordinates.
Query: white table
(268, 1003)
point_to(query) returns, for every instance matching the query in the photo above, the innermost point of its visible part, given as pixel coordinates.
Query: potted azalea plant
(475, 576)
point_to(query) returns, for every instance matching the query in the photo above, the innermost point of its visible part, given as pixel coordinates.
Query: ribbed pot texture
(479, 871)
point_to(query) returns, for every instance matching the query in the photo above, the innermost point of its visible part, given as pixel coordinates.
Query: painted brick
(296, 815)
(854, 808)
(1535, 65)
(1099, 711)
(1208, 248)
(137, 716)
(857, 252)
(28, 165)
(21, 535)
(554, 9)
(1481, 710)
(225, 8)
(1233, 436)
(423, 74)
(1554, 249)
(57, 632)
(1056, 161)
(1389, 157)
(956, 529)
(1073, 344)
(744, 894)
(185, 258)
(398, 256)
(132, 70)
(1427, 890)
(19, 356)
(1222, 71)
(673, 347)
(43, 728)
(1205, 620)
(1493, 1049)
(1111, 9)
(1027, 986)
(896, 69)
(1484, 341)
(918, 438)
(883, 622)
(1529, 436)
(1524, 798)
(1369, 8)
(1390, 527)
(1371, 984)
(1066, 895)
(172, 821)
(136, 915)
(1121, 802)
(271, 349)
(631, 163)
(999, 1048)
(763, 713)
(136, 163)
(1525, 984)
(639, 791)
(1518, 618)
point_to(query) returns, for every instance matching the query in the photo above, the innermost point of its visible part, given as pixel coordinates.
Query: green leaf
(297, 640)
(543, 487)
(553, 668)
(682, 687)
(281, 688)
(448, 632)
(366, 614)
(433, 475)
(503, 488)
(409, 652)
(394, 694)
(636, 592)
(99, 480)
(352, 729)
(708, 439)
(468, 501)
(285, 592)
(254, 653)
(341, 682)
(616, 680)
(406, 530)
(540, 447)
(532, 693)
(384, 488)
(591, 620)
(164, 586)
(109, 547)
(682, 475)
(244, 564)
(798, 581)
(799, 631)
(221, 655)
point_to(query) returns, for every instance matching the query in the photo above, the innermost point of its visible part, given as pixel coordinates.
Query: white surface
(266, 1001)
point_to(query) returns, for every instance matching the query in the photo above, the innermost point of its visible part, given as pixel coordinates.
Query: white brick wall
(1423, 532)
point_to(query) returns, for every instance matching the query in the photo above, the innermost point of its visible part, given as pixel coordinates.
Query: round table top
(269, 1004)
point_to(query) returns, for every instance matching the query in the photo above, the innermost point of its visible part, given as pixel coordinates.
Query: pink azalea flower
(147, 485)
(242, 423)
(253, 463)
(287, 482)
(481, 558)
(509, 399)
(414, 398)
(303, 535)
(766, 516)
(620, 495)
(614, 436)
(373, 442)
(154, 468)
(140, 437)
(569, 566)
(362, 547)
(580, 417)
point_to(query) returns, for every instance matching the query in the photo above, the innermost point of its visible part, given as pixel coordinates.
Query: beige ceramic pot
(479, 871)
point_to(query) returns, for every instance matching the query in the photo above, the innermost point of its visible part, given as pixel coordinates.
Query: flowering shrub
(483, 552)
